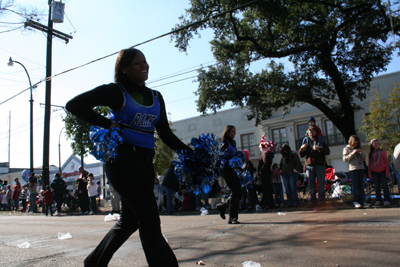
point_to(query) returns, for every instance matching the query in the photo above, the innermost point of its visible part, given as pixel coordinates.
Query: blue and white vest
(137, 121)
(230, 149)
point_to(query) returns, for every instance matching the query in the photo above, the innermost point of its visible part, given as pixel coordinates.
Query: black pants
(248, 195)
(267, 190)
(233, 182)
(132, 176)
(83, 202)
(59, 201)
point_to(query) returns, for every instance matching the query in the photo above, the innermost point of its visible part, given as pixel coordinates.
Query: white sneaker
(377, 203)
(87, 212)
(357, 205)
(91, 212)
(386, 203)
(80, 212)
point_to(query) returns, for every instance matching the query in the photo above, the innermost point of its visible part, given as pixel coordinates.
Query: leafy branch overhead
(336, 48)
(383, 121)
(8, 7)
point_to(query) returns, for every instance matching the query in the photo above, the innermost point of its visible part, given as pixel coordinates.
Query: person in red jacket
(15, 193)
(378, 170)
(48, 200)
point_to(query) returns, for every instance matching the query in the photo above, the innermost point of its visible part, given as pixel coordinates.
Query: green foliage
(335, 47)
(79, 132)
(383, 122)
(163, 155)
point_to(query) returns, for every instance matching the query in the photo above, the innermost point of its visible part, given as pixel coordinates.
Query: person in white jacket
(158, 194)
(396, 164)
(92, 192)
(115, 200)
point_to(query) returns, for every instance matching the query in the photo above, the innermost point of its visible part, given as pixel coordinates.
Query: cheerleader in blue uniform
(232, 180)
(139, 111)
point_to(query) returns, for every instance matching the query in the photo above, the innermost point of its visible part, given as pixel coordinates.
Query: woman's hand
(115, 125)
(304, 146)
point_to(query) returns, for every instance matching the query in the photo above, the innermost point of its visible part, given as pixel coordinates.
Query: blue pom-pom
(105, 143)
(198, 169)
(236, 160)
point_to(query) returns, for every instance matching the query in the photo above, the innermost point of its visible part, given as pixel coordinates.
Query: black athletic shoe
(233, 221)
(221, 211)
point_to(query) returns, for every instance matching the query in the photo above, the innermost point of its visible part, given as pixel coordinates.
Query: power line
(69, 21)
(14, 96)
(174, 81)
(25, 59)
(169, 77)
(24, 125)
(12, 29)
(139, 44)
(12, 23)
(181, 99)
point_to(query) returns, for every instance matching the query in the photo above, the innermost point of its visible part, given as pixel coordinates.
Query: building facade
(289, 129)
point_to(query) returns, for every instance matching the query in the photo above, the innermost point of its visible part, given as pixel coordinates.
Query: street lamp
(59, 151)
(11, 64)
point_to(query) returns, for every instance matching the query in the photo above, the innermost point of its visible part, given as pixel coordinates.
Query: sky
(100, 29)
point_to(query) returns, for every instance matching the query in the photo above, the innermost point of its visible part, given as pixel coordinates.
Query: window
(217, 122)
(333, 135)
(247, 142)
(192, 127)
(279, 137)
(301, 131)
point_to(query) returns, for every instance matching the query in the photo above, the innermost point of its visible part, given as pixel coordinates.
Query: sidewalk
(332, 203)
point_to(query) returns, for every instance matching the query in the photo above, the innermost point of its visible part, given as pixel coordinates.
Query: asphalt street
(314, 237)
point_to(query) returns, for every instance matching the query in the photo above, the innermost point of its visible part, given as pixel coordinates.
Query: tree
(79, 132)
(8, 7)
(383, 122)
(335, 47)
(5, 6)
(163, 156)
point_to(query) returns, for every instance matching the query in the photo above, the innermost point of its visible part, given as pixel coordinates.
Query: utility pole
(46, 132)
(46, 136)
(9, 139)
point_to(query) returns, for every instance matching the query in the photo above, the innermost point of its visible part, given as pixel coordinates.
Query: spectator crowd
(275, 185)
